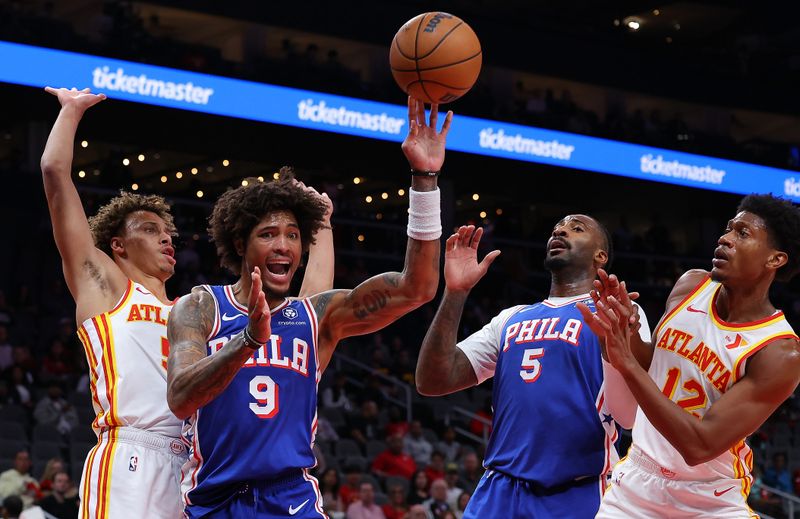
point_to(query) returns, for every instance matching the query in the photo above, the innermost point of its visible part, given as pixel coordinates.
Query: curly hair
(783, 228)
(239, 210)
(110, 219)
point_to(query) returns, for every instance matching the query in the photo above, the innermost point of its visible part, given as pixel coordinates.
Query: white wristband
(424, 215)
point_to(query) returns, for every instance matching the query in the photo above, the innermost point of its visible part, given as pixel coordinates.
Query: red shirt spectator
(393, 461)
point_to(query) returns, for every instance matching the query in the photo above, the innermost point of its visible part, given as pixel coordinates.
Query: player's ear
(600, 257)
(239, 244)
(117, 246)
(777, 259)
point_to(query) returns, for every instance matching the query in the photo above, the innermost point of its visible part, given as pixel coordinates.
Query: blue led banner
(129, 81)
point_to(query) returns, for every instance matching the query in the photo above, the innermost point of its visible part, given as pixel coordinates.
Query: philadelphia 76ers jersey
(262, 425)
(551, 425)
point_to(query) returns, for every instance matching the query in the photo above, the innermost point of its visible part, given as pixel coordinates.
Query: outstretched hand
(424, 146)
(79, 99)
(462, 271)
(610, 286)
(259, 326)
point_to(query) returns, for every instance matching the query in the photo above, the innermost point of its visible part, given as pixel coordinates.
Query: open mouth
(278, 269)
(557, 246)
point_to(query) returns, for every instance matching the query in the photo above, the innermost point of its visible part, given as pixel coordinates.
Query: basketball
(435, 57)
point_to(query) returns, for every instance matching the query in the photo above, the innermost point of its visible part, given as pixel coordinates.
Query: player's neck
(744, 304)
(568, 283)
(153, 285)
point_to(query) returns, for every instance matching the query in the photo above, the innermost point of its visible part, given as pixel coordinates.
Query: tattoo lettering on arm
(393, 278)
(193, 378)
(370, 303)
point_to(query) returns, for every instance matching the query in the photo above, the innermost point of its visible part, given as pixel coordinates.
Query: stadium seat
(47, 433)
(13, 431)
(10, 448)
(346, 447)
(14, 413)
(375, 447)
(43, 450)
(395, 481)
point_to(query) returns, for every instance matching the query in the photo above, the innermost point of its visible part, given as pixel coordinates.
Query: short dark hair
(608, 244)
(239, 210)
(110, 219)
(783, 228)
(13, 505)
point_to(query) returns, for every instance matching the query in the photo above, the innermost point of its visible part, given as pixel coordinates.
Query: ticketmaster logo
(791, 187)
(118, 81)
(675, 169)
(498, 140)
(308, 110)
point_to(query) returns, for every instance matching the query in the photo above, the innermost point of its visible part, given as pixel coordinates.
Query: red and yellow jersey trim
(683, 304)
(738, 367)
(740, 327)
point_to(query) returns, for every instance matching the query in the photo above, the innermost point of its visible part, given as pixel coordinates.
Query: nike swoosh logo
(226, 317)
(718, 493)
(293, 510)
(695, 310)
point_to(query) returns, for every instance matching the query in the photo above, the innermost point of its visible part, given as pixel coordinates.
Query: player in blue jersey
(245, 360)
(553, 435)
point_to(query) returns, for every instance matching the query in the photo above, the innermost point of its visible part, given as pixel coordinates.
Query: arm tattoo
(321, 302)
(194, 379)
(370, 303)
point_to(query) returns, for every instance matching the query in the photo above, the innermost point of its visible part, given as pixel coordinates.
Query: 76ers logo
(289, 313)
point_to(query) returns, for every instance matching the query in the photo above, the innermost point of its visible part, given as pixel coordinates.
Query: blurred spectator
(12, 507)
(418, 491)
(403, 368)
(396, 508)
(322, 463)
(348, 491)
(435, 469)
(6, 349)
(448, 445)
(397, 424)
(762, 499)
(417, 512)
(471, 472)
(437, 505)
(416, 445)
(478, 427)
(365, 426)
(325, 430)
(329, 488)
(17, 481)
(777, 475)
(57, 365)
(453, 490)
(461, 504)
(24, 359)
(54, 465)
(58, 503)
(21, 391)
(335, 396)
(365, 507)
(393, 461)
(54, 410)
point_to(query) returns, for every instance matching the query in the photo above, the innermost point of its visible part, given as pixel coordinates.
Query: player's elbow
(697, 455)
(52, 167)
(179, 405)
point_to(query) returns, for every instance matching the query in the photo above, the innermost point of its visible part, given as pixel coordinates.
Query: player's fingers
(489, 259)
(450, 244)
(434, 118)
(86, 90)
(412, 110)
(623, 311)
(466, 235)
(255, 287)
(476, 238)
(446, 126)
(421, 113)
(50, 90)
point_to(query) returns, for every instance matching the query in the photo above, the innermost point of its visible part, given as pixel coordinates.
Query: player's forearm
(321, 260)
(193, 384)
(434, 375)
(420, 278)
(678, 427)
(643, 351)
(57, 157)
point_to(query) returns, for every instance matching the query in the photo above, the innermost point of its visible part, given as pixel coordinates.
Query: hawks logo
(289, 313)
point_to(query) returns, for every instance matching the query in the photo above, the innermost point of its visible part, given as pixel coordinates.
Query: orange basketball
(435, 57)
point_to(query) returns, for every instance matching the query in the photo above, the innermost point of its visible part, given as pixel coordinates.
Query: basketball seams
(441, 40)
(400, 51)
(476, 55)
(434, 82)
(416, 60)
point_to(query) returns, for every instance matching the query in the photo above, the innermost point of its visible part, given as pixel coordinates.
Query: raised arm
(771, 377)
(384, 298)
(92, 277)
(319, 270)
(443, 368)
(193, 378)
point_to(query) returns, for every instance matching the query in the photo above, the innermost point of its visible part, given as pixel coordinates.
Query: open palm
(424, 146)
(462, 271)
(79, 99)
